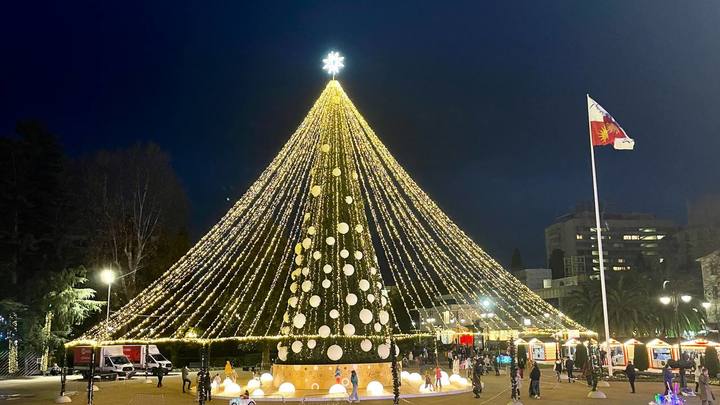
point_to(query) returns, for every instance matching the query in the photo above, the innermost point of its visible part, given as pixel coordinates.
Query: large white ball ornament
(343, 228)
(292, 301)
(384, 317)
(358, 255)
(317, 255)
(351, 299)
(306, 285)
(325, 148)
(344, 253)
(296, 346)
(336, 172)
(348, 199)
(326, 283)
(330, 240)
(366, 345)
(257, 392)
(315, 191)
(334, 352)
(364, 285)
(311, 344)
(444, 379)
(312, 230)
(299, 321)
(327, 269)
(358, 228)
(282, 353)
(348, 269)
(377, 327)
(371, 298)
(366, 316)
(315, 301)
(415, 377)
(324, 331)
(374, 388)
(383, 351)
(334, 314)
(404, 375)
(266, 378)
(337, 389)
(349, 329)
(286, 388)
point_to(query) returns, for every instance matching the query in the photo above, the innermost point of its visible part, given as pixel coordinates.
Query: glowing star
(333, 63)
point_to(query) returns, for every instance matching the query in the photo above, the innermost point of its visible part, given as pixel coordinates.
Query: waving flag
(605, 130)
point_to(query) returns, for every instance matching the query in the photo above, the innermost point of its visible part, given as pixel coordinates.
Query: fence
(28, 363)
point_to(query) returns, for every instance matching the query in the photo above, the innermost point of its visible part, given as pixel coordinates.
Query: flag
(604, 130)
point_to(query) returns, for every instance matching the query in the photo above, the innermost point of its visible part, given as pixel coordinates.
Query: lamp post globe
(665, 300)
(685, 298)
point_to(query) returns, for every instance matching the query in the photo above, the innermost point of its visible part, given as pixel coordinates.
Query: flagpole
(598, 233)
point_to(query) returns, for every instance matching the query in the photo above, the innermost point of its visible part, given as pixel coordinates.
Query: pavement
(43, 390)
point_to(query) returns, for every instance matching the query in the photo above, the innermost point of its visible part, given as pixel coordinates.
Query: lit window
(621, 260)
(631, 237)
(578, 236)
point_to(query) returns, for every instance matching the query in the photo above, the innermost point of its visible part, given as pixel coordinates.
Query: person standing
(558, 369)
(338, 375)
(535, 381)
(631, 373)
(186, 378)
(160, 372)
(354, 381)
(477, 378)
(698, 373)
(438, 378)
(569, 364)
(706, 395)
(667, 378)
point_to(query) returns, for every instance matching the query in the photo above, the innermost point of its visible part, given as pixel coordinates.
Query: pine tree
(711, 361)
(640, 357)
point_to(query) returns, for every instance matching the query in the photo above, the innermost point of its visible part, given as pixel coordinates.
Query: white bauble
(384, 317)
(344, 253)
(298, 248)
(330, 240)
(299, 321)
(311, 230)
(315, 301)
(383, 301)
(326, 283)
(366, 316)
(351, 299)
(358, 255)
(383, 351)
(366, 345)
(305, 271)
(324, 331)
(292, 301)
(371, 298)
(348, 199)
(354, 175)
(337, 389)
(317, 255)
(296, 346)
(374, 388)
(327, 269)
(306, 243)
(299, 260)
(348, 329)
(404, 375)
(257, 392)
(315, 190)
(334, 314)
(286, 317)
(343, 228)
(293, 287)
(364, 285)
(306, 285)
(266, 378)
(286, 388)
(334, 352)
(377, 327)
(373, 271)
(348, 269)
(311, 344)
(336, 172)
(358, 228)
(282, 353)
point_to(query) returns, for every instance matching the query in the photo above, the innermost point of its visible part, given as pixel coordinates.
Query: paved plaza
(42, 390)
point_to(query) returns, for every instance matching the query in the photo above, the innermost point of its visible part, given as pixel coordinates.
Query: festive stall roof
(315, 240)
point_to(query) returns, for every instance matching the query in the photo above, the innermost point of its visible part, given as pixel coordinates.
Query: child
(438, 378)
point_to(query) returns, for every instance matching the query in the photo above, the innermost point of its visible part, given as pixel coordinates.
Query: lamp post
(674, 299)
(107, 276)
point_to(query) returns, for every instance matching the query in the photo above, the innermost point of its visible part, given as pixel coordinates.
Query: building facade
(710, 265)
(630, 240)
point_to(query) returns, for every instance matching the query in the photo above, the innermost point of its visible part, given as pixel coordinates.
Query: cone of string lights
(305, 259)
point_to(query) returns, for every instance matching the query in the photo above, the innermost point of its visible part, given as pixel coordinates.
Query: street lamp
(685, 298)
(107, 276)
(675, 298)
(665, 300)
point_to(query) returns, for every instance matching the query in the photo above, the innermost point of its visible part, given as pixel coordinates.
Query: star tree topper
(333, 63)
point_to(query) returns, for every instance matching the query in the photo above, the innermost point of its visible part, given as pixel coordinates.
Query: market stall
(659, 352)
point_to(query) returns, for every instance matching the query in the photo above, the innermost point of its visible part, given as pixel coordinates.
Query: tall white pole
(598, 233)
(107, 318)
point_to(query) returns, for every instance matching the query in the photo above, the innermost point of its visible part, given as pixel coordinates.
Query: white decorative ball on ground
(344, 253)
(351, 299)
(324, 331)
(299, 321)
(296, 347)
(366, 345)
(364, 285)
(337, 389)
(326, 283)
(348, 269)
(426, 389)
(358, 228)
(384, 351)
(463, 381)
(455, 379)
(358, 255)
(414, 378)
(257, 392)
(444, 379)
(348, 199)
(404, 375)
(349, 329)
(306, 243)
(374, 388)
(286, 388)
(343, 228)
(311, 230)
(315, 301)
(306, 285)
(334, 352)
(315, 191)
(230, 387)
(292, 301)
(384, 317)
(327, 269)
(336, 172)
(330, 240)
(334, 314)
(311, 344)
(252, 384)
(266, 378)
(366, 316)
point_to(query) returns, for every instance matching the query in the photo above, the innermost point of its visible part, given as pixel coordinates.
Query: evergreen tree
(640, 357)
(581, 355)
(711, 361)
(516, 263)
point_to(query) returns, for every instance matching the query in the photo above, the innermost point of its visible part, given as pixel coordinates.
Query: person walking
(518, 382)
(667, 378)
(558, 369)
(569, 364)
(535, 381)
(477, 378)
(496, 364)
(438, 378)
(631, 373)
(354, 381)
(160, 372)
(706, 395)
(587, 372)
(186, 378)
(698, 373)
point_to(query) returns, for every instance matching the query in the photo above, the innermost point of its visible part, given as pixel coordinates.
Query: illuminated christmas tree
(303, 257)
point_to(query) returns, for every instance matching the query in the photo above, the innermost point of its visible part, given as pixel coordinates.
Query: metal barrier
(28, 363)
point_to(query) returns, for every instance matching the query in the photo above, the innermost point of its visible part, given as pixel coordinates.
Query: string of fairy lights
(295, 257)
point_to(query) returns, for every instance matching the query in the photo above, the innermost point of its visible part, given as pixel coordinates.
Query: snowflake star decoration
(333, 63)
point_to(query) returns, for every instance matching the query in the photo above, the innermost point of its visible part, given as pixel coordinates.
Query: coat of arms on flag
(605, 130)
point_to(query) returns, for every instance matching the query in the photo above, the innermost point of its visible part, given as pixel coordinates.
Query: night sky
(482, 102)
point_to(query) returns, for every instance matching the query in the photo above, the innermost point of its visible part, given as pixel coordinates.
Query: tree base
(514, 402)
(603, 384)
(596, 395)
(63, 399)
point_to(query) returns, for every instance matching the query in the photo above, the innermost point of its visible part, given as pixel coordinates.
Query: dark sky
(482, 102)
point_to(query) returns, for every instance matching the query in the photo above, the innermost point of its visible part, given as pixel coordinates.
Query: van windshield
(159, 357)
(119, 360)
